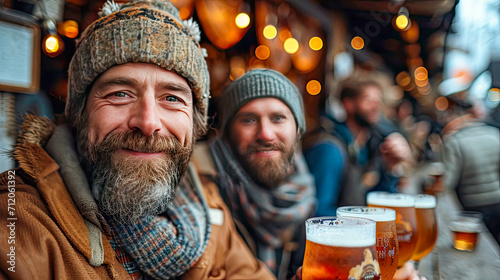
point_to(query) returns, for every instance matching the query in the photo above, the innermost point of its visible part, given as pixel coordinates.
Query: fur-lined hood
(35, 131)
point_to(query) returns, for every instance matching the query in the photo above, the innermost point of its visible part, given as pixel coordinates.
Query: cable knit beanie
(261, 83)
(138, 31)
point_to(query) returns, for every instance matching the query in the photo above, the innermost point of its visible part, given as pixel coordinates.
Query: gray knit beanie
(261, 83)
(139, 31)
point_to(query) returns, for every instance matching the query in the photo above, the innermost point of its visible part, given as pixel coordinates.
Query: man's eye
(172, 99)
(279, 118)
(248, 120)
(120, 94)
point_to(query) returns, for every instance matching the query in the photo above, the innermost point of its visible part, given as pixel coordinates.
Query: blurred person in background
(262, 175)
(110, 193)
(350, 158)
(471, 158)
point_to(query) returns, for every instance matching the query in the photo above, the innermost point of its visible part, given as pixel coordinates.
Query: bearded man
(342, 156)
(262, 175)
(110, 194)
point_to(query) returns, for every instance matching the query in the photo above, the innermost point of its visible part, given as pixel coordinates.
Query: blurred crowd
(260, 166)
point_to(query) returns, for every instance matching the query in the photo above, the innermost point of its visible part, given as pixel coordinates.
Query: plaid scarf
(270, 214)
(165, 246)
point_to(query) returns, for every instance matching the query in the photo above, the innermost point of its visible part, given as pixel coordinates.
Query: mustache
(136, 141)
(263, 146)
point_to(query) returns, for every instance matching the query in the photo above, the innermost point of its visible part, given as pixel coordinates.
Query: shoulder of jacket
(202, 159)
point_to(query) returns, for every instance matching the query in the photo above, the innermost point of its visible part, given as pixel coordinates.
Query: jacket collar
(83, 233)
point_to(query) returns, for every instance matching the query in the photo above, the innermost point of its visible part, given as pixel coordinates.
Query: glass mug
(426, 225)
(406, 220)
(466, 226)
(386, 236)
(340, 248)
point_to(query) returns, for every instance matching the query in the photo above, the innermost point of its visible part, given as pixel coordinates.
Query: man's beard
(127, 188)
(268, 172)
(362, 120)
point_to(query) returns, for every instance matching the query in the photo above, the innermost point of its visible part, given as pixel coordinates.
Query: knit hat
(140, 31)
(261, 83)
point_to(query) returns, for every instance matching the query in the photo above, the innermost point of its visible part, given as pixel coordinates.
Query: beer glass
(340, 248)
(466, 226)
(386, 238)
(426, 226)
(406, 220)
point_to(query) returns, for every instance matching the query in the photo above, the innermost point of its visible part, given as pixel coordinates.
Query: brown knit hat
(139, 31)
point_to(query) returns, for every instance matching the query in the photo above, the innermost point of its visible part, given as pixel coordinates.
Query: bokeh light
(313, 87)
(242, 20)
(270, 32)
(315, 43)
(403, 79)
(357, 43)
(291, 45)
(402, 22)
(421, 73)
(262, 52)
(441, 103)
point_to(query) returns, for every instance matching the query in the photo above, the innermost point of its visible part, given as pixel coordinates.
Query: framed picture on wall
(19, 52)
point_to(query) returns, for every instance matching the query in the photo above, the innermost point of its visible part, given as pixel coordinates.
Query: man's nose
(145, 117)
(266, 131)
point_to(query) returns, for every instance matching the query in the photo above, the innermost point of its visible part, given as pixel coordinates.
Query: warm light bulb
(313, 87)
(291, 45)
(52, 44)
(69, 29)
(242, 20)
(402, 22)
(316, 43)
(270, 32)
(357, 43)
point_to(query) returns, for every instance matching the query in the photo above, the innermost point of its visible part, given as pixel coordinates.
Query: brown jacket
(47, 237)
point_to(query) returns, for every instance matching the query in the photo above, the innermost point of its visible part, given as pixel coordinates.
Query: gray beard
(126, 193)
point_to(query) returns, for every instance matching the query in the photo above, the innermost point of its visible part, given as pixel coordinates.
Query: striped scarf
(165, 246)
(270, 214)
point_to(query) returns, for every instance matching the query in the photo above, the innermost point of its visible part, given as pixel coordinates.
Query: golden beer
(340, 248)
(406, 220)
(427, 226)
(466, 227)
(386, 242)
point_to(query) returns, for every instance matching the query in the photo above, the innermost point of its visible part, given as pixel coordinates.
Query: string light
(402, 20)
(242, 20)
(52, 45)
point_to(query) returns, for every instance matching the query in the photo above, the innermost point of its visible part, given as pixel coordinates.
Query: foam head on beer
(390, 199)
(424, 201)
(340, 248)
(376, 214)
(341, 232)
